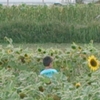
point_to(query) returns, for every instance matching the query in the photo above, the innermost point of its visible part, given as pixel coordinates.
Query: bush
(58, 24)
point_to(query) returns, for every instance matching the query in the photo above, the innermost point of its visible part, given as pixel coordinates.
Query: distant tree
(79, 1)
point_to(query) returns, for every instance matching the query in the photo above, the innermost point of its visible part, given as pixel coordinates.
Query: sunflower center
(93, 63)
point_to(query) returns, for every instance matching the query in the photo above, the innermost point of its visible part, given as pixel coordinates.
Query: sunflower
(9, 51)
(77, 84)
(1, 63)
(93, 63)
(26, 56)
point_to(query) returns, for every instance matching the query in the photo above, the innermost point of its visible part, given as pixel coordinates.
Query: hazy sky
(30, 0)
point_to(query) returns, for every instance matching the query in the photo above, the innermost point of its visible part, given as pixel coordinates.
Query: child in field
(48, 71)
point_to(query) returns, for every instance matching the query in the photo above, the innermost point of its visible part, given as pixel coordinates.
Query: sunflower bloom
(9, 51)
(28, 60)
(78, 84)
(1, 63)
(93, 63)
(26, 56)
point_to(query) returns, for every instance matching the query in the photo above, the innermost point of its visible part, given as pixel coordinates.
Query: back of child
(48, 71)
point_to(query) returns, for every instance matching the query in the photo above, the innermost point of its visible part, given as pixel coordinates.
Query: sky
(30, 0)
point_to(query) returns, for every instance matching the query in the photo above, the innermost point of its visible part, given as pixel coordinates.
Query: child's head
(47, 61)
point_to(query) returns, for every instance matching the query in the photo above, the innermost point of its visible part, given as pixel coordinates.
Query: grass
(34, 46)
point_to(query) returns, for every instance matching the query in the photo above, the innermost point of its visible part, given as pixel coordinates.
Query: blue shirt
(48, 72)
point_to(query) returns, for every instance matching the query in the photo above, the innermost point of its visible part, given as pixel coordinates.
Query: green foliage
(29, 86)
(78, 23)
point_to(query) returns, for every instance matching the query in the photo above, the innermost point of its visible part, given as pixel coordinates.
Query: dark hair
(47, 60)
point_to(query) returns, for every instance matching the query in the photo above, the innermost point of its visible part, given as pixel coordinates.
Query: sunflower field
(77, 78)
